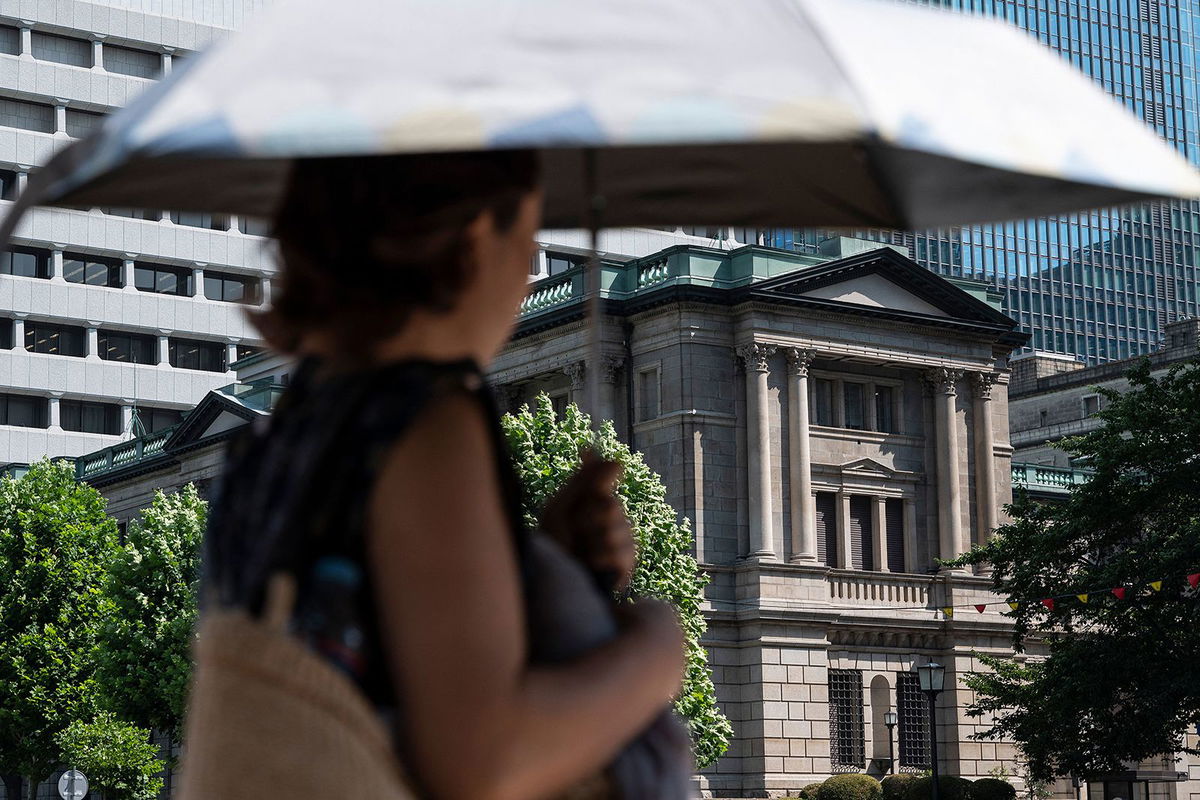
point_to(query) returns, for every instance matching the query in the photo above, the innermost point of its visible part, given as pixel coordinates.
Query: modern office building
(1100, 285)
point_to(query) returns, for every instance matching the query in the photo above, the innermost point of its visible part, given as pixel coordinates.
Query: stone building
(1053, 397)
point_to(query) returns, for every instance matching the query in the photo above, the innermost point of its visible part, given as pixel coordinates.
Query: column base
(803, 559)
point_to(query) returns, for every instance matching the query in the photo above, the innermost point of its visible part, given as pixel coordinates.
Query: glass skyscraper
(1100, 284)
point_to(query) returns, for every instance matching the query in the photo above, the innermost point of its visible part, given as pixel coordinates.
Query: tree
(55, 542)
(546, 451)
(115, 756)
(144, 654)
(1120, 681)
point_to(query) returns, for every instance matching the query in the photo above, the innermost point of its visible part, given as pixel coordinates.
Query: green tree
(115, 756)
(144, 654)
(55, 542)
(1120, 681)
(546, 451)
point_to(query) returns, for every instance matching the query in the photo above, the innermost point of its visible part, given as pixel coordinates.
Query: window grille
(912, 707)
(847, 738)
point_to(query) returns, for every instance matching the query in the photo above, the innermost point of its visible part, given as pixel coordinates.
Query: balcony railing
(121, 455)
(1046, 479)
(878, 588)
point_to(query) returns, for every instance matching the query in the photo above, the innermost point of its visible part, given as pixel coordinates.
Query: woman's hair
(365, 241)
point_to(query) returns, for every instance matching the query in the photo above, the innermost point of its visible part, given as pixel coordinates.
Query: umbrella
(760, 112)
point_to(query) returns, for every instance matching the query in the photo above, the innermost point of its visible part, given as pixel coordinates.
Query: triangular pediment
(214, 415)
(867, 466)
(883, 281)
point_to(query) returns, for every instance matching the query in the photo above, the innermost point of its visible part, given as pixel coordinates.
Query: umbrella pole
(595, 305)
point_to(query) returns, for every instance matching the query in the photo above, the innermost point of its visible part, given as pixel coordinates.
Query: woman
(381, 483)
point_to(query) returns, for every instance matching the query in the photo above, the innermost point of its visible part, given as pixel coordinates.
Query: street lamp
(932, 678)
(889, 719)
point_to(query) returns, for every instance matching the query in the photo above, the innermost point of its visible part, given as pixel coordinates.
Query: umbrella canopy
(805, 112)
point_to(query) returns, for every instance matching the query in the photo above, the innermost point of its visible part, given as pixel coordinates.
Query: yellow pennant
(1156, 585)
(1082, 598)
(1013, 605)
(948, 611)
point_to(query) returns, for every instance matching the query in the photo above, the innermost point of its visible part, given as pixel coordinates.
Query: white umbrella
(794, 112)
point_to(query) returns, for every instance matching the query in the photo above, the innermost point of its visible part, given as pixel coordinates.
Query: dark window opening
(847, 738)
(894, 534)
(158, 419)
(247, 350)
(822, 402)
(91, 270)
(81, 123)
(827, 528)
(862, 555)
(200, 219)
(24, 411)
(84, 417)
(132, 348)
(59, 340)
(557, 263)
(25, 262)
(195, 354)
(8, 184)
(62, 49)
(132, 62)
(232, 288)
(37, 117)
(161, 279)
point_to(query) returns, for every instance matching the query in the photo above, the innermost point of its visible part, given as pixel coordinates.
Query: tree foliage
(115, 756)
(1120, 682)
(144, 653)
(850, 786)
(55, 542)
(546, 451)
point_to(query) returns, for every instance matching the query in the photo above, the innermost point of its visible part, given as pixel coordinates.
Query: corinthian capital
(755, 355)
(799, 360)
(942, 379)
(982, 383)
(610, 366)
(576, 372)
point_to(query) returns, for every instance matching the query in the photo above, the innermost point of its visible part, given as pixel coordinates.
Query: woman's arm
(483, 723)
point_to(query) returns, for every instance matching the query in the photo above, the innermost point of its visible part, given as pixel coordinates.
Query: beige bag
(267, 717)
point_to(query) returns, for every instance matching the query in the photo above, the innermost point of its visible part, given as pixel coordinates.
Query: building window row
(860, 405)
(86, 53)
(859, 514)
(227, 287)
(79, 416)
(121, 346)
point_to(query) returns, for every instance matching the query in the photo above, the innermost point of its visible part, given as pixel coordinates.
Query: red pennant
(1049, 603)
(981, 607)
(1194, 579)
(1119, 592)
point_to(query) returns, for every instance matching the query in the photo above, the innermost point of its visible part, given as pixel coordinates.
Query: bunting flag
(948, 611)
(1194, 579)
(1082, 598)
(1156, 585)
(1048, 603)
(981, 607)
(1119, 592)
(1013, 605)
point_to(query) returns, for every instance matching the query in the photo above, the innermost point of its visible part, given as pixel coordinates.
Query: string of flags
(1119, 592)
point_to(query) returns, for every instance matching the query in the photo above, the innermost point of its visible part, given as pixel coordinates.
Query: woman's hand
(587, 519)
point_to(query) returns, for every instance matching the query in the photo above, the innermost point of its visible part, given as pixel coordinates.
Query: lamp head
(890, 719)
(931, 676)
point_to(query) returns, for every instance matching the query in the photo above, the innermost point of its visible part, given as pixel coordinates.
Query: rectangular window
(82, 417)
(91, 270)
(10, 40)
(201, 219)
(893, 531)
(25, 262)
(247, 350)
(885, 409)
(24, 411)
(253, 226)
(854, 395)
(59, 340)
(648, 406)
(557, 263)
(559, 403)
(81, 123)
(6, 334)
(195, 354)
(158, 419)
(133, 213)
(161, 279)
(827, 528)
(912, 708)
(131, 348)
(1091, 404)
(232, 288)
(847, 737)
(862, 553)
(8, 184)
(128, 61)
(822, 402)
(62, 49)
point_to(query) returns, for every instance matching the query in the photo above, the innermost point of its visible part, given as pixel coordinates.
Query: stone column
(985, 455)
(610, 369)
(55, 412)
(758, 446)
(164, 349)
(879, 534)
(576, 371)
(56, 263)
(19, 333)
(803, 503)
(93, 340)
(950, 537)
(97, 51)
(60, 116)
(843, 532)
(235, 223)
(127, 274)
(22, 178)
(231, 356)
(166, 61)
(198, 281)
(26, 39)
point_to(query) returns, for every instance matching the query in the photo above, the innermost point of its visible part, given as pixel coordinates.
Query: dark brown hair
(365, 241)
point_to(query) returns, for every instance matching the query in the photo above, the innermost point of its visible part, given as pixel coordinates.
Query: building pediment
(883, 280)
(868, 467)
(214, 415)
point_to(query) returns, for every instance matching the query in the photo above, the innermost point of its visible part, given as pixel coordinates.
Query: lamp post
(889, 719)
(932, 679)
